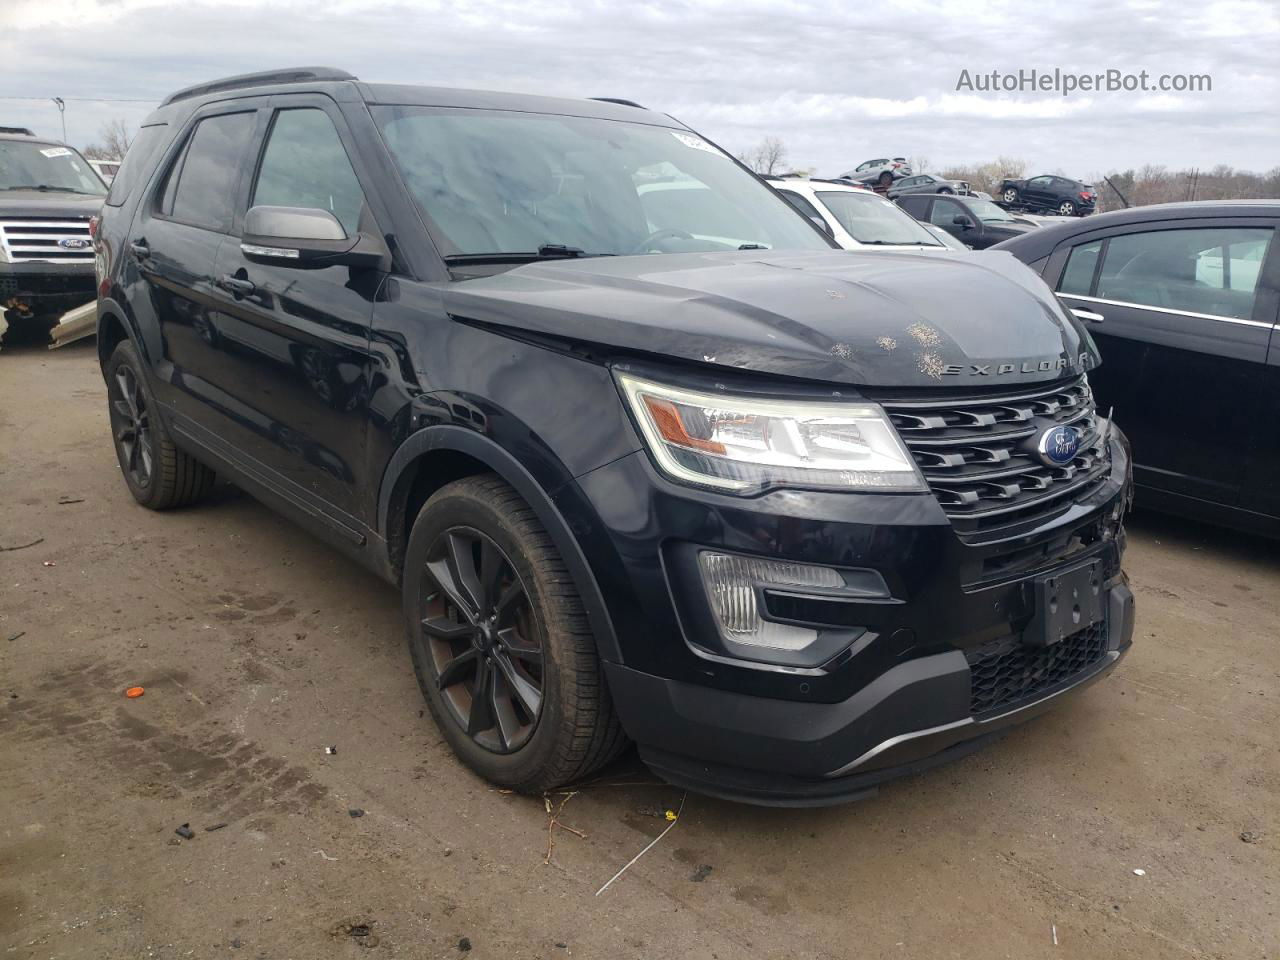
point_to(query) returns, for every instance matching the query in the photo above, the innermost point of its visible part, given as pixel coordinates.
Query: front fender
(451, 438)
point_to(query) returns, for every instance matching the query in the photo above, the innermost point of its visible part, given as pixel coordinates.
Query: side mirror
(303, 237)
(823, 226)
(963, 222)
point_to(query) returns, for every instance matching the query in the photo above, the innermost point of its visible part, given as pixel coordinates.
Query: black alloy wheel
(131, 425)
(482, 640)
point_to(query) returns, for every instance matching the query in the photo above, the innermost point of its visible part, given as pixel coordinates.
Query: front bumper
(783, 753)
(903, 695)
(45, 288)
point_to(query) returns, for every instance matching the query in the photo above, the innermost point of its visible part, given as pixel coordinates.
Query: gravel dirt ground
(259, 647)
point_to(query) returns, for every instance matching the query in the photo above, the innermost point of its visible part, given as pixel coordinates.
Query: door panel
(288, 349)
(1185, 383)
(174, 241)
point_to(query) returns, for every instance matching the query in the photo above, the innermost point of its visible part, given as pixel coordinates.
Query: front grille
(1006, 673)
(38, 239)
(977, 453)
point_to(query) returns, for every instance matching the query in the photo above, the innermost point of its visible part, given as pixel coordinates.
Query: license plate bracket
(1066, 602)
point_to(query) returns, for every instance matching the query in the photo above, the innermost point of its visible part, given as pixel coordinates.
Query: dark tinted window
(137, 162)
(1212, 270)
(1078, 277)
(210, 170)
(305, 165)
(800, 203)
(944, 211)
(914, 205)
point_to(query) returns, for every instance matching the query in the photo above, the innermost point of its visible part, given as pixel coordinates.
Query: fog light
(731, 583)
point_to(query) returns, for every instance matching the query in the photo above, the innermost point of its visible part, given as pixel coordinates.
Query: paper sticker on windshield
(689, 140)
(56, 152)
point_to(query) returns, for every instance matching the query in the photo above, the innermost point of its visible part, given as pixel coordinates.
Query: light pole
(62, 112)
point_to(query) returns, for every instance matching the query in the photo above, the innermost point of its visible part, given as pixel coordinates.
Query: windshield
(46, 166)
(495, 182)
(988, 212)
(869, 219)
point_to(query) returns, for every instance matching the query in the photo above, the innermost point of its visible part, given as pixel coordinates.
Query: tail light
(1085, 195)
(93, 227)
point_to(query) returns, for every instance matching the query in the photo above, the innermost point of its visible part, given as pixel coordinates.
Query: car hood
(867, 319)
(40, 203)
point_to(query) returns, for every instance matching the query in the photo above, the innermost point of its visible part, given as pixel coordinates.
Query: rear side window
(914, 205)
(1078, 277)
(206, 178)
(137, 162)
(305, 165)
(1212, 270)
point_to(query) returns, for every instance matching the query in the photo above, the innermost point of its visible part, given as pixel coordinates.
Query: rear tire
(886, 179)
(159, 475)
(1010, 195)
(1067, 208)
(500, 641)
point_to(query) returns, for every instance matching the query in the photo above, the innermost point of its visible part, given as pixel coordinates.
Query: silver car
(881, 172)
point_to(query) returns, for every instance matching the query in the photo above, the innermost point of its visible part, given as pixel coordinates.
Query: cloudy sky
(838, 83)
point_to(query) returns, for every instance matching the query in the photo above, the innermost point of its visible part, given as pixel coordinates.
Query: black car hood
(47, 203)
(873, 319)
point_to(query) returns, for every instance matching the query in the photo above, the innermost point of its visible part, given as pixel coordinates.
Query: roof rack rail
(619, 101)
(262, 79)
(21, 131)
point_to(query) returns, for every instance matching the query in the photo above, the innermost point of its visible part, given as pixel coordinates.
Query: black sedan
(1050, 194)
(975, 223)
(926, 183)
(1183, 301)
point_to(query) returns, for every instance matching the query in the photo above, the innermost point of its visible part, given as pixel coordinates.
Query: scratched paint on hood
(970, 320)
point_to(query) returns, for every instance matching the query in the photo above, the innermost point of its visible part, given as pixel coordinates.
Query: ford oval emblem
(1058, 446)
(74, 243)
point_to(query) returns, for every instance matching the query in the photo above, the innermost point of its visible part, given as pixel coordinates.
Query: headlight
(746, 445)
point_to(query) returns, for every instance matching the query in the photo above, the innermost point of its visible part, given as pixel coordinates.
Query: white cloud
(837, 83)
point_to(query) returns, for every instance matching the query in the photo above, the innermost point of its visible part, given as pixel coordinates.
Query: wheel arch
(113, 329)
(440, 454)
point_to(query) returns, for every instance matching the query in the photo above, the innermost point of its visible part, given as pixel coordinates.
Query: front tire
(157, 473)
(1010, 195)
(500, 641)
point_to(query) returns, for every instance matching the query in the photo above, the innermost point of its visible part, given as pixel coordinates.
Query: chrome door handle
(241, 288)
(1088, 315)
(140, 249)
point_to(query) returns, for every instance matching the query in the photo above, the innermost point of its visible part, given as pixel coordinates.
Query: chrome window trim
(1176, 313)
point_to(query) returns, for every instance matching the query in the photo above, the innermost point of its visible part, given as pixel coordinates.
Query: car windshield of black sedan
(47, 167)
(497, 182)
(988, 212)
(869, 219)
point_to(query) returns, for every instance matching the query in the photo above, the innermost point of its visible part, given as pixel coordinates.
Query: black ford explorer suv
(48, 193)
(792, 519)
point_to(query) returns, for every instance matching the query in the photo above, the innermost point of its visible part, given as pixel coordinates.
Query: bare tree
(767, 157)
(115, 138)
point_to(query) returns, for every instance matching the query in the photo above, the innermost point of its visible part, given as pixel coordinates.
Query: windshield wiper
(548, 251)
(45, 188)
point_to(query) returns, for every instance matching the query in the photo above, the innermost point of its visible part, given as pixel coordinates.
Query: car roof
(1040, 243)
(344, 86)
(814, 184)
